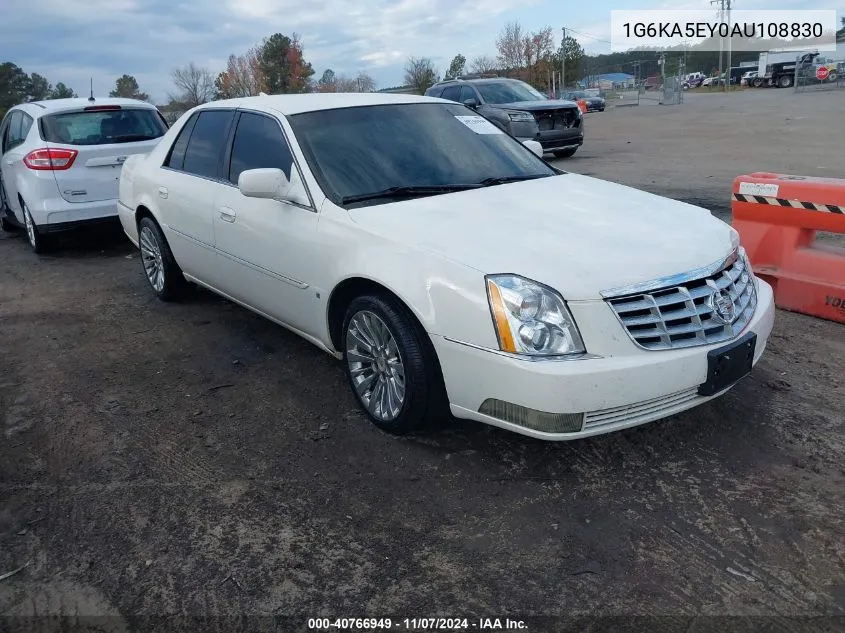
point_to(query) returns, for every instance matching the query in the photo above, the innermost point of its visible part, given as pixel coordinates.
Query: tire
(565, 153)
(785, 81)
(757, 83)
(399, 386)
(6, 224)
(38, 241)
(160, 268)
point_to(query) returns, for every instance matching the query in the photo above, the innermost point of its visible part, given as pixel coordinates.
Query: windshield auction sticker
(713, 30)
(479, 125)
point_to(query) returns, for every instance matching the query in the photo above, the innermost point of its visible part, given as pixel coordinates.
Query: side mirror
(535, 147)
(471, 103)
(272, 184)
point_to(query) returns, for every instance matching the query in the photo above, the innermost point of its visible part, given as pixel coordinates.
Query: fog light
(532, 419)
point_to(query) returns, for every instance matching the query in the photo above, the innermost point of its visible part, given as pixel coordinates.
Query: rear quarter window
(102, 127)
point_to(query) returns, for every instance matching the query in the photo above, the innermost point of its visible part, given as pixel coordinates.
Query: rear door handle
(162, 192)
(227, 214)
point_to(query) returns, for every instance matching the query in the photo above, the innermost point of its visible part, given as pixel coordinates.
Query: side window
(259, 144)
(4, 131)
(208, 143)
(452, 93)
(468, 93)
(177, 153)
(13, 135)
(26, 126)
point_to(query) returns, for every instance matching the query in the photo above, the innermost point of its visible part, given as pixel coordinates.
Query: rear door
(103, 137)
(16, 127)
(188, 183)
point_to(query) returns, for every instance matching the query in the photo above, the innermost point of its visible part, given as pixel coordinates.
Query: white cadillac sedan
(448, 265)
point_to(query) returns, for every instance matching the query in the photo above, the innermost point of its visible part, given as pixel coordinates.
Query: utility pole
(729, 47)
(721, 4)
(563, 61)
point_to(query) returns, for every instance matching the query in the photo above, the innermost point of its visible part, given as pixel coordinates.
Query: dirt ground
(196, 460)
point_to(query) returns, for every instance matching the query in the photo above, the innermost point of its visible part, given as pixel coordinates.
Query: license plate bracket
(727, 365)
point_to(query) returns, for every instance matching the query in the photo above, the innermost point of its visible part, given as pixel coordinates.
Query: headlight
(530, 318)
(520, 116)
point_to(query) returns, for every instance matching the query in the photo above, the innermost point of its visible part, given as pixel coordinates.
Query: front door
(266, 247)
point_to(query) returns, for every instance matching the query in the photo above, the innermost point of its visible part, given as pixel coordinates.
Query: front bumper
(613, 392)
(553, 140)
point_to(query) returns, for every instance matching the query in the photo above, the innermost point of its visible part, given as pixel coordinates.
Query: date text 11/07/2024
(416, 624)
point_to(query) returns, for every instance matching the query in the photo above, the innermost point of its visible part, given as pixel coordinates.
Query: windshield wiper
(488, 182)
(408, 192)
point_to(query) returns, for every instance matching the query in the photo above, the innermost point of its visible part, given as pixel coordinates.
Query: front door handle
(162, 192)
(227, 214)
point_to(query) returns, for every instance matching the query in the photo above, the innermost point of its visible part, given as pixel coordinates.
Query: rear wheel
(785, 81)
(391, 365)
(565, 153)
(162, 271)
(39, 242)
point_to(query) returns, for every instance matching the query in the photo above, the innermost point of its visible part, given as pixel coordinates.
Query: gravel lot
(194, 459)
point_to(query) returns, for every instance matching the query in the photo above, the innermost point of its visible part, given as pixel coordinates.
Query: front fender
(448, 298)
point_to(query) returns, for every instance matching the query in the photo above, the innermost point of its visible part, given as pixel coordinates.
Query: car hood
(531, 106)
(577, 234)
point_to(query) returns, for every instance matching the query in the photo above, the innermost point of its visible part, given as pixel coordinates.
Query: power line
(592, 37)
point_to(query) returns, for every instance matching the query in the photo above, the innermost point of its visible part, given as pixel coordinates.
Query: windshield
(103, 127)
(358, 151)
(508, 92)
(577, 95)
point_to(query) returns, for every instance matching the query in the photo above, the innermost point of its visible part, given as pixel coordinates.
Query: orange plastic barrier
(777, 217)
(582, 105)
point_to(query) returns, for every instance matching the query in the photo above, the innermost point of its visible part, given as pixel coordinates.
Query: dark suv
(519, 110)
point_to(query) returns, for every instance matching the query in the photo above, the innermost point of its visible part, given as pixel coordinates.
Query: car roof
(315, 101)
(477, 80)
(51, 106)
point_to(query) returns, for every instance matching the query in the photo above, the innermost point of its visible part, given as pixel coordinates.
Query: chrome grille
(696, 311)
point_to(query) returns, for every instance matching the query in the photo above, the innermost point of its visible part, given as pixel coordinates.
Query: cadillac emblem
(722, 305)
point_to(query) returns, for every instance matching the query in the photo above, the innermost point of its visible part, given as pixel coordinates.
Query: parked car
(61, 161)
(594, 103)
(748, 78)
(447, 265)
(519, 110)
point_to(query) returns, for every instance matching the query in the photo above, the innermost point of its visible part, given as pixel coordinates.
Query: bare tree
(365, 82)
(331, 82)
(511, 47)
(419, 73)
(483, 64)
(539, 48)
(195, 85)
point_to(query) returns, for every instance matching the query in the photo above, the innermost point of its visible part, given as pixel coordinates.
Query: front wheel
(162, 271)
(785, 81)
(391, 365)
(565, 153)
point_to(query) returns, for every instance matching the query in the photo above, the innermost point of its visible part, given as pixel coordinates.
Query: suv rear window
(102, 127)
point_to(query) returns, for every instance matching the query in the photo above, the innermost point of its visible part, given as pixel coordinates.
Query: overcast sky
(73, 40)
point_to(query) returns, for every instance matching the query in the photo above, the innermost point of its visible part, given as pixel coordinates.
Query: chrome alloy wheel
(151, 257)
(375, 366)
(30, 228)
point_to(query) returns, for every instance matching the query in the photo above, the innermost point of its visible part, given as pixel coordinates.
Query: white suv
(61, 161)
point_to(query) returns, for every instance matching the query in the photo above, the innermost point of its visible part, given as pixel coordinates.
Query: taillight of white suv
(50, 159)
